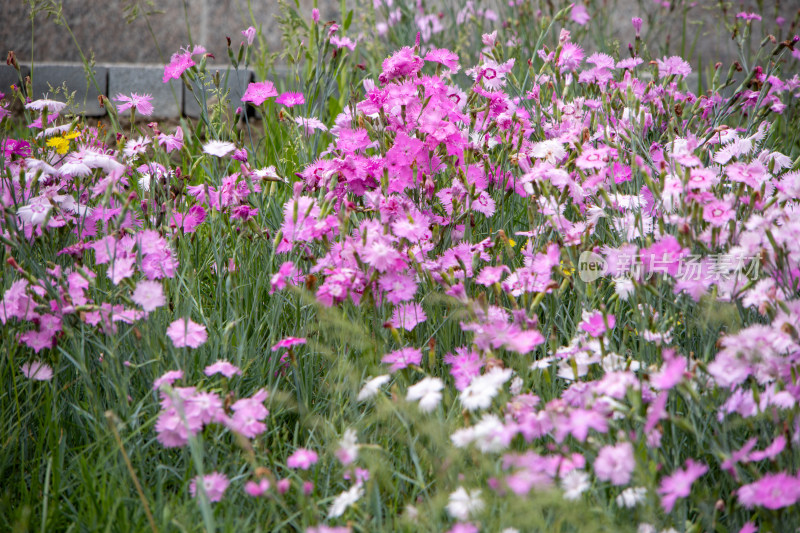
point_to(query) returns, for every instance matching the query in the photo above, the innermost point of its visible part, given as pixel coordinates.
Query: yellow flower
(72, 135)
(60, 144)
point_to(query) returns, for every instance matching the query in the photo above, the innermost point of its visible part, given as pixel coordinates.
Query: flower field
(464, 268)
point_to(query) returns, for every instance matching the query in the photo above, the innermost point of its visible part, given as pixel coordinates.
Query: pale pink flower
(168, 378)
(149, 295)
(250, 35)
(37, 371)
(615, 463)
(214, 485)
(222, 367)
(139, 102)
(407, 316)
(302, 459)
(184, 332)
(679, 484)
(400, 359)
(674, 65)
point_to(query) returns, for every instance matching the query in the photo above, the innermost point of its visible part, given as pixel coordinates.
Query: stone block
(147, 79)
(9, 77)
(73, 76)
(236, 84)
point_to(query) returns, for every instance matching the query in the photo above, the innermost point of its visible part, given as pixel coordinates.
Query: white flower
(631, 496)
(53, 106)
(135, 147)
(488, 434)
(623, 287)
(462, 503)
(462, 437)
(372, 386)
(575, 483)
(481, 390)
(428, 392)
(219, 148)
(348, 447)
(345, 500)
(36, 211)
(551, 151)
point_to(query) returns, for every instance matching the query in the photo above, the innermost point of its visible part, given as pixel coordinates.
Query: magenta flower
(671, 372)
(407, 316)
(615, 463)
(594, 323)
(139, 102)
(177, 66)
(718, 213)
(773, 491)
(288, 342)
(149, 295)
(402, 63)
(184, 332)
(258, 92)
(222, 367)
(291, 99)
(679, 484)
(400, 359)
(302, 459)
(37, 371)
(214, 485)
(674, 65)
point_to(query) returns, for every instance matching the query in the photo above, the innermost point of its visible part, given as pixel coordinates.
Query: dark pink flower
(773, 491)
(291, 99)
(258, 92)
(177, 66)
(288, 342)
(594, 323)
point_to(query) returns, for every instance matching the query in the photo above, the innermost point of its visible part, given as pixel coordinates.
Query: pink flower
(168, 378)
(718, 213)
(579, 15)
(214, 485)
(594, 323)
(291, 99)
(177, 66)
(402, 63)
(315, 15)
(679, 484)
(288, 342)
(443, 56)
(400, 359)
(258, 92)
(36, 370)
(249, 414)
(674, 65)
(407, 316)
(283, 485)
(773, 491)
(257, 489)
(184, 332)
(615, 463)
(343, 42)
(222, 367)
(149, 295)
(250, 35)
(302, 459)
(671, 372)
(139, 102)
